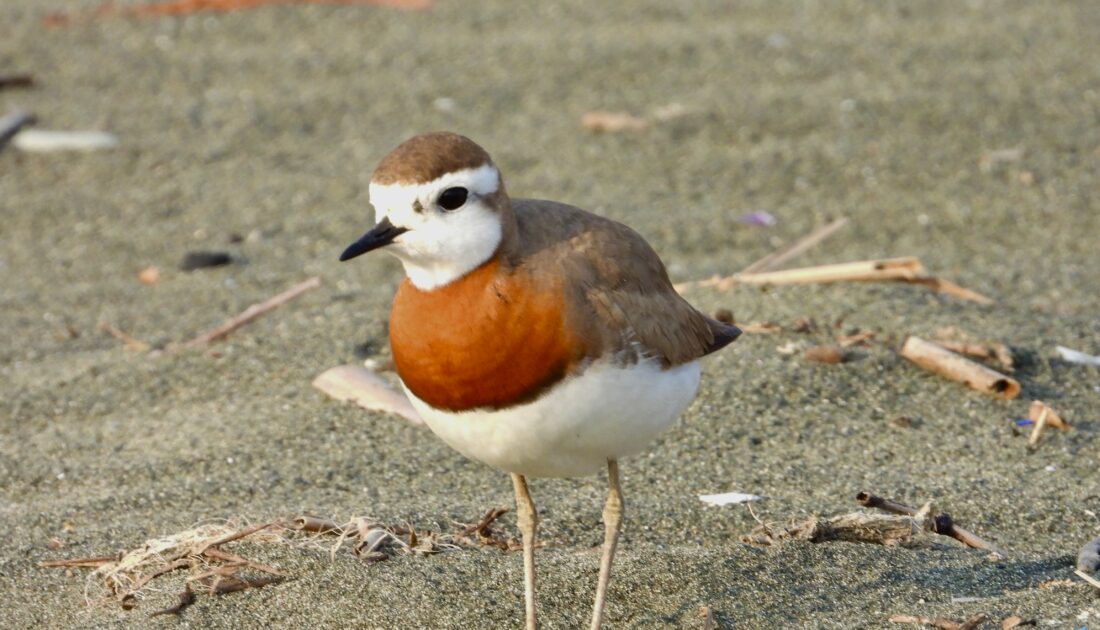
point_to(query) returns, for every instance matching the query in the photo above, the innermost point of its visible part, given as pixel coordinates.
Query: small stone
(201, 260)
(825, 354)
(149, 275)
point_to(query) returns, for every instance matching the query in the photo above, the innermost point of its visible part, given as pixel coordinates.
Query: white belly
(607, 412)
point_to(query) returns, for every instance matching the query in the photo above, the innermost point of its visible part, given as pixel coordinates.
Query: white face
(441, 244)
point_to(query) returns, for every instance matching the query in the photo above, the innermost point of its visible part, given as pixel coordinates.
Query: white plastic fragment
(728, 498)
(45, 140)
(1073, 356)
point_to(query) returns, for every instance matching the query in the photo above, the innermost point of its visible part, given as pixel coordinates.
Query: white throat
(441, 246)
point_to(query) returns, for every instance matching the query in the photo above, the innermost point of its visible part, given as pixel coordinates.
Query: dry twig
(128, 342)
(797, 248)
(85, 563)
(908, 270)
(1086, 577)
(249, 314)
(939, 523)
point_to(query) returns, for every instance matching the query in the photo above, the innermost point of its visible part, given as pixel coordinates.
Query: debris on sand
(211, 569)
(728, 498)
(856, 527)
(942, 361)
(1074, 356)
(938, 523)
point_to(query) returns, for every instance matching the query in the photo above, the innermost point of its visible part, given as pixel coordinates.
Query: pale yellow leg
(528, 519)
(612, 522)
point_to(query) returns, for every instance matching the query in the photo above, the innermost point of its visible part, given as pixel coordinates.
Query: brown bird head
(440, 207)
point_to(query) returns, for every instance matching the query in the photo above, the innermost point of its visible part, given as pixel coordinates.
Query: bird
(531, 335)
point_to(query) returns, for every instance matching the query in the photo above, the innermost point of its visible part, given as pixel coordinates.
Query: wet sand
(265, 125)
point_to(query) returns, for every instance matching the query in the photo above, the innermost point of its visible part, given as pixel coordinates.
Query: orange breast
(487, 340)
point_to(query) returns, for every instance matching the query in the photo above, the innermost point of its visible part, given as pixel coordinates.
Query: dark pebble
(201, 260)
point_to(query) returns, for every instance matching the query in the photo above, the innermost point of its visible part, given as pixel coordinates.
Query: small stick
(859, 271)
(16, 81)
(907, 270)
(940, 524)
(249, 314)
(783, 254)
(214, 552)
(867, 499)
(237, 535)
(950, 288)
(1037, 431)
(491, 515)
(1088, 578)
(129, 342)
(316, 525)
(938, 359)
(91, 563)
(12, 123)
(224, 570)
(145, 579)
(366, 389)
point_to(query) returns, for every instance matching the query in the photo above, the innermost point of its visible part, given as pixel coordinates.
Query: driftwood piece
(941, 524)
(956, 367)
(249, 314)
(366, 389)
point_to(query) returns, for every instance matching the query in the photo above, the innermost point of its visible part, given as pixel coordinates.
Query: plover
(533, 336)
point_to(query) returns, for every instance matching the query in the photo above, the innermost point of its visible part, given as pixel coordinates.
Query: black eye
(452, 198)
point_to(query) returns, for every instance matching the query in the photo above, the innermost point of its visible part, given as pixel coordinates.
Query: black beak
(379, 236)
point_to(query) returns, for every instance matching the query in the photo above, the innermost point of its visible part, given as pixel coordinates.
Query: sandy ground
(266, 124)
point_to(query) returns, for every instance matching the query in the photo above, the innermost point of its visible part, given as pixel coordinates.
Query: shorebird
(533, 336)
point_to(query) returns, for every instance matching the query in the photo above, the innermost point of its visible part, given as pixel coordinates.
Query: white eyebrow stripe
(482, 181)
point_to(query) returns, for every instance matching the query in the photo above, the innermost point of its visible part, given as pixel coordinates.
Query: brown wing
(621, 297)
